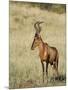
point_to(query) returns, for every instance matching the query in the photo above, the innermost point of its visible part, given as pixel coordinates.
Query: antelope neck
(41, 46)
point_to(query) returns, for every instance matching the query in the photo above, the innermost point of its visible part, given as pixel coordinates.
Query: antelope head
(37, 37)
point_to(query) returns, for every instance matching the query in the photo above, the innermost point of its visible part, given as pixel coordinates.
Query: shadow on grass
(59, 78)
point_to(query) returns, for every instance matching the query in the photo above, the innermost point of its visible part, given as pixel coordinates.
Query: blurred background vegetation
(58, 8)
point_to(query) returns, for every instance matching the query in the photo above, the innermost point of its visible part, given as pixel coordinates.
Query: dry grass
(25, 66)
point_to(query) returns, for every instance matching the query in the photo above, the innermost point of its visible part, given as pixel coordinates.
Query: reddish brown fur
(47, 53)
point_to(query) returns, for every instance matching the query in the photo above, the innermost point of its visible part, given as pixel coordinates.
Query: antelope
(47, 53)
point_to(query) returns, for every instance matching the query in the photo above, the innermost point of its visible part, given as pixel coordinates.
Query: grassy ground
(25, 66)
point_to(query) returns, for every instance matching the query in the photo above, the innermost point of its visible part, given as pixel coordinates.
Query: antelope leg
(43, 70)
(47, 71)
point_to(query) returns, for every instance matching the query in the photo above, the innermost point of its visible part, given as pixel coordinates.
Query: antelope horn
(37, 26)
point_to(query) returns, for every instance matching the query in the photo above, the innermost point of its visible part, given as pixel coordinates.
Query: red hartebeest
(47, 53)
